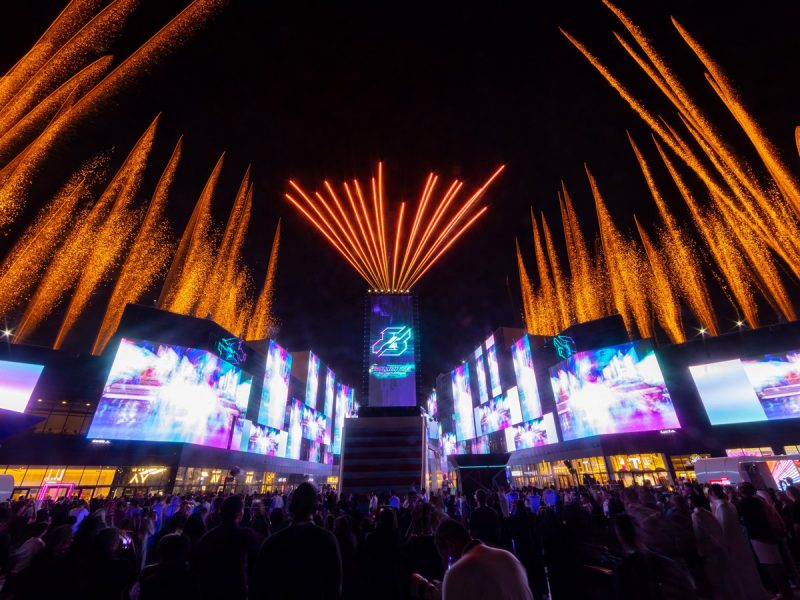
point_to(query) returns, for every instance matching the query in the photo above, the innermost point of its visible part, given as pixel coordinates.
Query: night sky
(313, 90)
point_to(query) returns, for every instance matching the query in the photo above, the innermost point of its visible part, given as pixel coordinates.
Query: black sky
(313, 90)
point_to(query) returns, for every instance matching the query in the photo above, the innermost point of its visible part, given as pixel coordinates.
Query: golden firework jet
(227, 258)
(530, 315)
(178, 31)
(359, 230)
(680, 253)
(194, 258)
(114, 234)
(147, 259)
(547, 294)
(262, 317)
(663, 297)
(563, 297)
(92, 41)
(67, 24)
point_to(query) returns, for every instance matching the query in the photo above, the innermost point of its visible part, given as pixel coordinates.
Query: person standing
(282, 568)
(484, 523)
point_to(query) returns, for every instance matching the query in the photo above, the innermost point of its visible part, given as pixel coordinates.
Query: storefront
(683, 465)
(639, 469)
(56, 481)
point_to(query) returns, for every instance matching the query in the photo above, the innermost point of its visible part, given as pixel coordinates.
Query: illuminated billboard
(539, 432)
(257, 439)
(391, 351)
(295, 439)
(433, 405)
(344, 406)
(275, 392)
(526, 379)
(765, 388)
(618, 389)
(462, 403)
(162, 393)
(498, 413)
(480, 375)
(494, 369)
(312, 380)
(330, 393)
(17, 381)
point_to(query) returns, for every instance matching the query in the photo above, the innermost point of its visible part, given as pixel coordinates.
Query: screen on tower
(17, 381)
(312, 380)
(275, 392)
(391, 360)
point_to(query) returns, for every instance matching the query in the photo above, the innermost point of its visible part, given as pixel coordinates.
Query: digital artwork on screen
(163, 393)
(343, 400)
(295, 438)
(330, 392)
(498, 413)
(392, 359)
(494, 369)
(17, 381)
(480, 375)
(619, 389)
(765, 388)
(433, 405)
(522, 358)
(480, 445)
(240, 435)
(462, 403)
(275, 392)
(312, 380)
(266, 441)
(539, 432)
(314, 425)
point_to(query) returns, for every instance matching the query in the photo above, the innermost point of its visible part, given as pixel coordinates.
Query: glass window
(73, 424)
(102, 492)
(791, 449)
(106, 476)
(763, 451)
(55, 473)
(33, 477)
(18, 472)
(72, 474)
(90, 476)
(55, 423)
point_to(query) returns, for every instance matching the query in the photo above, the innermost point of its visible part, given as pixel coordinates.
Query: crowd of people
(585, 542)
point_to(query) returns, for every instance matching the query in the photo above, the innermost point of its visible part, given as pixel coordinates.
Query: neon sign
(564, 345)
(393, 341)
(231, 350)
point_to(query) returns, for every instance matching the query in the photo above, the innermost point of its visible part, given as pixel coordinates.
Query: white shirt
(485, 572)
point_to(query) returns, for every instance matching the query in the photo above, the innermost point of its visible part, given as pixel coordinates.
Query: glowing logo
(393, 341)
(564, 345)
(231, 350)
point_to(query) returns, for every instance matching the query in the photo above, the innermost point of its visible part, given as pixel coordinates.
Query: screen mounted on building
(619, 389)
(275, 391)
(765, 388)
(391, 358)
(17, 381)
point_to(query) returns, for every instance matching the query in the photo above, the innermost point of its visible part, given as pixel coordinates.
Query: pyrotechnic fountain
(77, 243)
(749, 224)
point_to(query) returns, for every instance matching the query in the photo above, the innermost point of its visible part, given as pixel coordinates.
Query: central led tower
(391, 350)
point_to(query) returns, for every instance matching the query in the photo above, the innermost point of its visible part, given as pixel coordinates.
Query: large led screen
(257, 439)
(17, 381)
(314, 426)
(498, 413)
(295, 440)
(275, 393)
(344, 403)
(619, 389)
(462, 403)
(312, 380)
(530, 434)
(766, 388)
(526, 379)
(392, 378)
(480, 375)
(162, 393)
(494, 369)
(433, 405)
(330, 392)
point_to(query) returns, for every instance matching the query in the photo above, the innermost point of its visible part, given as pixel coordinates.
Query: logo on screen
(393, 341)
(231, 350)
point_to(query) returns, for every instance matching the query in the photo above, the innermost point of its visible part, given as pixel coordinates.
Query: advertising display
(480, 374)
(312, 380)
(494, 369)
(392, 362)
(330, 392)
(433, 405)
(344, 400)
(765, 388)
(618, 389)
(266, 441)
(163, 393)
(462, 403)
(294, 442)
(17, 381)
(275, 392)
(526, 379)
(539, 432)
(497, 414)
